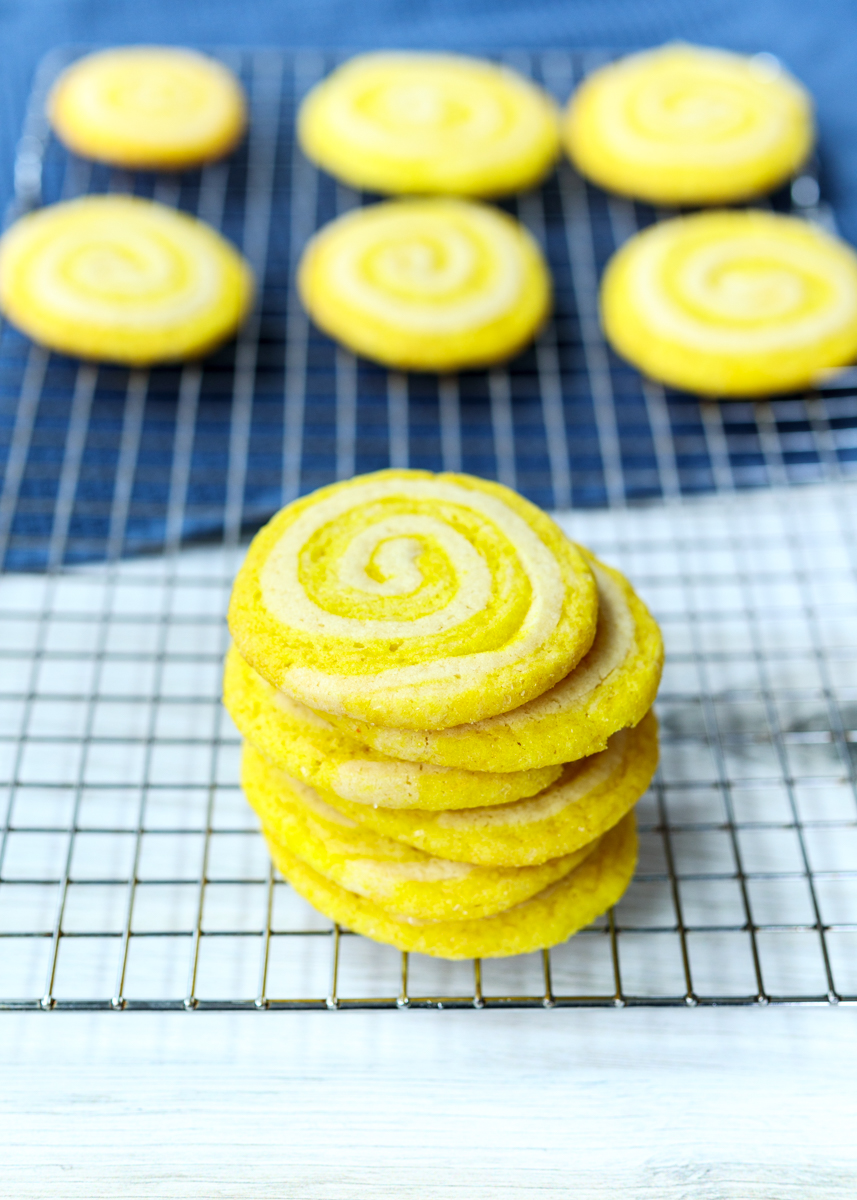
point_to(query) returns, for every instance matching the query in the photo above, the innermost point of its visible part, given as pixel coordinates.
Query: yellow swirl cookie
(611, 688)
(389, 873)
(426, 285)
(425, 599)
(686, 125)
(308, 747)
(589, 797)
(148, 106)
(733, 303)
(429, 124)
(546, 919)
(122, 279)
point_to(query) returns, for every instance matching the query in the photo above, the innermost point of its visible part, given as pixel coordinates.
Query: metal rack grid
(100, 461)
(131, 873)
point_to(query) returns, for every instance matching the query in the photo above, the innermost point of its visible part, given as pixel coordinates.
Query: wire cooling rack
(131, 871)
(100, 461)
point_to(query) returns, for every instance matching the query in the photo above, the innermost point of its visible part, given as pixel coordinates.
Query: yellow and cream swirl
(431, 285)
(688, 125)
(545, 919)
(307, 747)
(122, 279)
(612, 687)
(733, 303)
(430, 124)
(590, 797)
(406, 597)
(404, 880)
(153, 107)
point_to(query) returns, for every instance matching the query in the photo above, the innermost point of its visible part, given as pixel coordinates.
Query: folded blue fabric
(100, 462)
(817, 41)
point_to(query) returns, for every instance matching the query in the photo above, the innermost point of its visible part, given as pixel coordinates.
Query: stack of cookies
(446, 707)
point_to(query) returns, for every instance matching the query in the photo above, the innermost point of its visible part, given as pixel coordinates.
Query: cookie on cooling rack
(589, 797)
(733, 303)
(544, 920)
(611, 688)
(308, 747)
(430, 124)
(426, 285)
(122, 279)
(689, 125)
(392, 874)
(151, 107)
(416, 599)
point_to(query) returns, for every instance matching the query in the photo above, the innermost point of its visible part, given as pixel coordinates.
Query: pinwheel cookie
(687, 125)
(589, 797)
(733, 303)
(390, 873)
(122, 279)
(491, 815)
(307, 746)
(545, 919)
(611, 688)
(430, 285)
(430, 123)
(413, 599)
(153, 107)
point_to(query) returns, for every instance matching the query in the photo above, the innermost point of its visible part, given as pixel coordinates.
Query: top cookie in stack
(430, 677)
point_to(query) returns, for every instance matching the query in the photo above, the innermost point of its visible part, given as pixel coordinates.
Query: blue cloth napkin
(96, 464)
(818, 41)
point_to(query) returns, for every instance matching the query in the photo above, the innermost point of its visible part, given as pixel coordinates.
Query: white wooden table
(715, 1104)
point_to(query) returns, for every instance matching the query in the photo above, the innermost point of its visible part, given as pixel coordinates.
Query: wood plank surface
(714, 1104)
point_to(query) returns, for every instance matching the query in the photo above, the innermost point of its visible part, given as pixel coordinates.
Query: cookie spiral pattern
(545, 919)
(430, 123)
(733, 303)
(588, 798)
(687, 125)
(404, 880)
(148, 107)
(432, 285)
(306, 746)
(122, 279)
(613, 687)
(428, 600)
